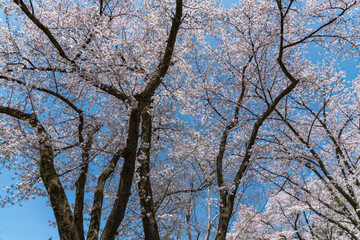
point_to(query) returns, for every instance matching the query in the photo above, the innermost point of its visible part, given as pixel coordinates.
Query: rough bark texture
(126, 176)
(79, 197)
(145, 192)
(93, 231)
(128, 153)
(64, 217)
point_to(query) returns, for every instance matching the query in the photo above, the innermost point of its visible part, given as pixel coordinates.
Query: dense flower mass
(184, 119)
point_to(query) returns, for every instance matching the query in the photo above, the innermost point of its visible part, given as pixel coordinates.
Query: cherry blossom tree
(317, 173)
(263, 54)
(183, 119)
(308, 155)
(58, 91)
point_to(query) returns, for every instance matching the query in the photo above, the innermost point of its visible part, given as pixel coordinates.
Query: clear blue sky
(29, 222)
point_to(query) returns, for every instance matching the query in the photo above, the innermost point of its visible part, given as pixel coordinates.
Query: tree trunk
(126, 177)
(145, 192)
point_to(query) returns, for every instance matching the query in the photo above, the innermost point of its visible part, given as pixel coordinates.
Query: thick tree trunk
(126, 176)
(223, 225)
(63, 214)
(145, 192)
(79, 199)
(64, 217)
(61, 207)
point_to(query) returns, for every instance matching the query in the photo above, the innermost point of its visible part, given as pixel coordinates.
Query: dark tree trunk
(61, 207)
(126, 176)
(145, 192)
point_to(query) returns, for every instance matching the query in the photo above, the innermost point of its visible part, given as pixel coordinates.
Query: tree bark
(228, 199)
(129, 152)
(126, 176)
(81, 181)
(93, 232)
(145, 191)
(61, 207)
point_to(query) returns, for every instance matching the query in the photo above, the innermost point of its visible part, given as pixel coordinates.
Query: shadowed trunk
(126, 176)
(144, 184)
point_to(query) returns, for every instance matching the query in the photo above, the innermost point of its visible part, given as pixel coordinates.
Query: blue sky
(29, 222)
